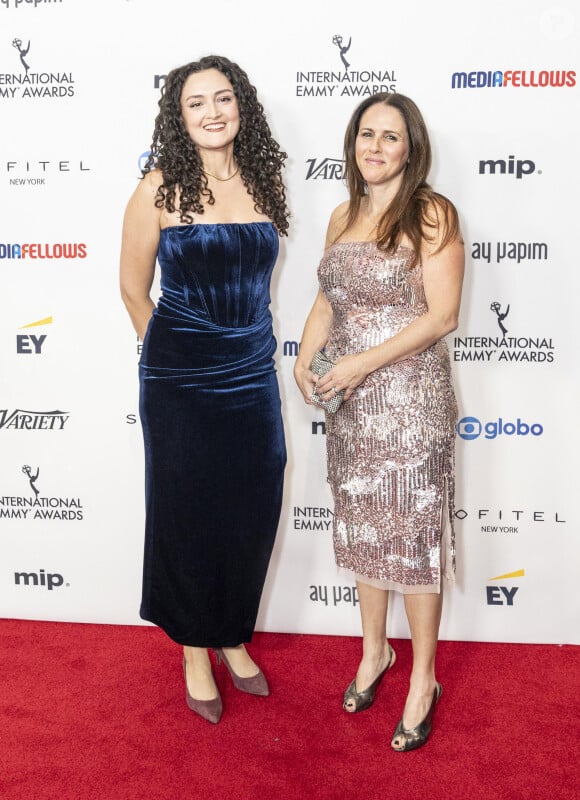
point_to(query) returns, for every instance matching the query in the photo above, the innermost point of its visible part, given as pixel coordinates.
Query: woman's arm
(442, 280)
(314, 337)
(318, 322)
(139, 246)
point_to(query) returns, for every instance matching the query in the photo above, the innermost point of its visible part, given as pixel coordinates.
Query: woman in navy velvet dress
(210, 209)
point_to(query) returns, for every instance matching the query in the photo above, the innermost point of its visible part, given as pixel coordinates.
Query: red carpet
(95, 711)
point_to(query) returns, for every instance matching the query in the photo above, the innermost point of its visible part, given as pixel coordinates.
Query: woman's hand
(306, 380)
(314, 338)
(348, 373)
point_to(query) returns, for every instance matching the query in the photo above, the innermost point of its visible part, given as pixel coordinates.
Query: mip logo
(470, 428)
(343, 49)
(318, 428)
(519, 167)
(23, 51)
(49, 580)
(291, 348)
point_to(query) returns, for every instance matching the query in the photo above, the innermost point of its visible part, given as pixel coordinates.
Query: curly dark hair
(258, 156)
(416, 206)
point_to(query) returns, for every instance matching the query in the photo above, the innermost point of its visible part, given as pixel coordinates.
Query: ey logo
(503, 595)
(28, 343)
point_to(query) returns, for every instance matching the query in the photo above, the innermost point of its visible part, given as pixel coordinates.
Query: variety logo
(342, 81)
(29, 344)
(22, 420)
(43, 250)
(28, 84)
(504, 348)
(516, 78)
(470, 428)
(38, 506)
(327, 169)
(513, 166)
(47, 580)
(312, 518)
(503, 595)
(510, 251)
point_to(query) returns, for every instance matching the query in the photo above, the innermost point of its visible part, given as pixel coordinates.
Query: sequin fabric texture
(391, 446)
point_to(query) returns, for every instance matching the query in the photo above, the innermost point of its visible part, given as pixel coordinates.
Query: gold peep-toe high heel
(363, 700)
(412, 738)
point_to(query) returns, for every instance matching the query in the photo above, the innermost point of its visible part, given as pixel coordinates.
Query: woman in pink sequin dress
(390, 288)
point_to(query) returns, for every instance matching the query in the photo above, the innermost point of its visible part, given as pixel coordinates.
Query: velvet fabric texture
(212, 426)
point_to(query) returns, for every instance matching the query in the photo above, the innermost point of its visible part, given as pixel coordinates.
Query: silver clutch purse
(321, 364)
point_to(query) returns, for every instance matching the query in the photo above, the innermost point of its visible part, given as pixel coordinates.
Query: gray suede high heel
(211, 710)
(255, 684)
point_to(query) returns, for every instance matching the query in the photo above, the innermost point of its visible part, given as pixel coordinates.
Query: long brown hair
(416, 207)
(258, 156)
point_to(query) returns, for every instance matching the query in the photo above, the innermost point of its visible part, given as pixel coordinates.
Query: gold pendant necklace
(223, 180)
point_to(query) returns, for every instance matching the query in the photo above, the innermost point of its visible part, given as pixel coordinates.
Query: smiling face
(382, 145)
(210, 110)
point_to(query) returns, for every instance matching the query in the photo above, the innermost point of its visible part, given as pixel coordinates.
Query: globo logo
(469, 428)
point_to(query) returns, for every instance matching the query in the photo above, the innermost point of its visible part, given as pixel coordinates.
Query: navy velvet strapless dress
(214, 441)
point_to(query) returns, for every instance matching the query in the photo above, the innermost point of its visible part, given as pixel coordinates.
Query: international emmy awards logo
(17, 43)
(31, 478)
(496, 308)
(337, 40)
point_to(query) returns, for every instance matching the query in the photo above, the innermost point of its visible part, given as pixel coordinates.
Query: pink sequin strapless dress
(391, 446)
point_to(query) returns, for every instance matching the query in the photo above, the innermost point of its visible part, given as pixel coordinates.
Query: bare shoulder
(146, 189)
(150, 182)
(141, 212)
(336, 222)
(440, 223)
(339, 214)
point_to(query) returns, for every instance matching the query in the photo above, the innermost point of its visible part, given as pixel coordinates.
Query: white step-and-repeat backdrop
(498, 85)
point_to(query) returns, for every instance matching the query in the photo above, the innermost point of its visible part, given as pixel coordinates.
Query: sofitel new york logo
(30, 84)
(342, 81)
(37, 506)
(37, 173)
(507, 520)
(503, 347)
